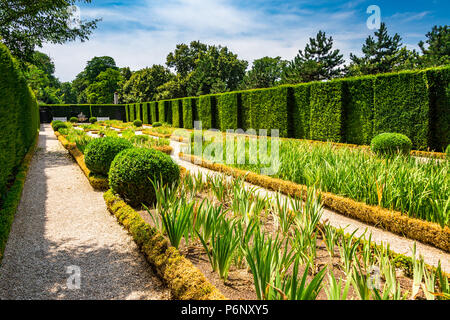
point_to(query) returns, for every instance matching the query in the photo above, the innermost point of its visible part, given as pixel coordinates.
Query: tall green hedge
(401, 104)
(145, 113)
(326, 111)
(439, 94)
(266, 109)
(132, 112)
(138, 107)
(154, 111)
(353, 110)
(165, 111)
(228, 111)
(207, 111)
(188, 113)
(359, 110)
(177, 113)
(19, 118)
(301, 112)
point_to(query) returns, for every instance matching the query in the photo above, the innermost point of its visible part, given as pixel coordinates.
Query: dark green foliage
(138, 111)
(301, 112)
(177, 113)
(137, 123)
(391, 144)
(55, 122)
(156, 124)
(132, 112)
(380, 53)
(154, 111)
(326, 111)
(207, 110)
(74, 119)
(447, 151)
(92, 120)
(145, 113)
(19, 118)
(132, 169)
(112, 111)
(127, 112)
(165, 111)
(401, 105)
(188, 116)
(439, 93)
(358, 103)
(99, 153)
(266, 109)
(317, 62)
(227, 111)
(59, 125)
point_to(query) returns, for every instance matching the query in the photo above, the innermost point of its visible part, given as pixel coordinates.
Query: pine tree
(437, 51)
(381, 54)
(317, 62)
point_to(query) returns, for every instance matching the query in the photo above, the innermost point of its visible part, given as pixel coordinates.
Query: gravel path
(62, 222)
(397, 243)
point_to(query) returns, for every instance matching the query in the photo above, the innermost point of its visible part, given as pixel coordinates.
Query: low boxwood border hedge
(184, 280)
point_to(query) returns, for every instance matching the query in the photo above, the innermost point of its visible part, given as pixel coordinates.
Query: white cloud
(160, 25)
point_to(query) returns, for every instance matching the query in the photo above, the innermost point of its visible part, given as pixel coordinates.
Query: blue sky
(141, 33)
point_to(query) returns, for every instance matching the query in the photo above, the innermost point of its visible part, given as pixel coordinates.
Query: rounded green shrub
(99, 153)
(54, 122)
(93, 120)
(74, 120)
(59, 125)
(132, 170)
(137, 123)
(157, 124)
(391, 143)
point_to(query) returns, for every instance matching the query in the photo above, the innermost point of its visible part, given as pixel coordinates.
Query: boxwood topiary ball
(391, 144)
(132, 170)
(156, 124)
(137, 123)
(59, 125)
(99, 153)
(93, 120)
(74, 120)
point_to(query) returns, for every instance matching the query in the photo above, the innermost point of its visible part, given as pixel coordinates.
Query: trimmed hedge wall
(352, 110)
(19, 119)
(188, 113)
(301, 112)
(113, 111)
(227, 116)
(165, 111)
(207, 111)
(401, 104)
(358, 104)
(154, 111)
(145, 113)
(177, 113)
(266, 109)
(439, 94)
(326, 111)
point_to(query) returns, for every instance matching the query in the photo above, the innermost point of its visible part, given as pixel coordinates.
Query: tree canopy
(27, 24)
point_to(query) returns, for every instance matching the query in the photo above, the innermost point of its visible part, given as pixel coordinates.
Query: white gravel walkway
(62, 222)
